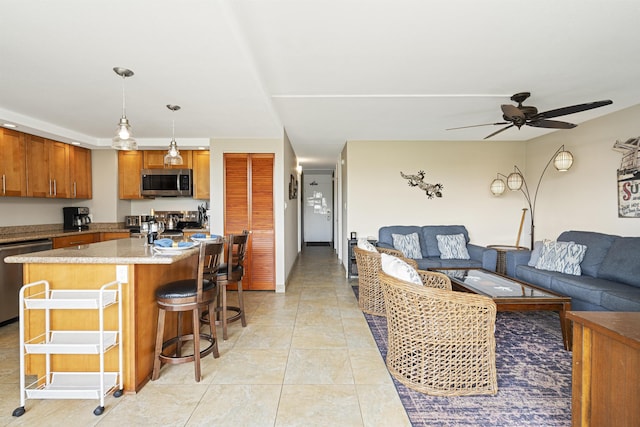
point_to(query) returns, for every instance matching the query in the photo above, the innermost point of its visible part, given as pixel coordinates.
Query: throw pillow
(399, 269)
(366, 245)
(408, 244)
(535, 253)
(452, 246)
(564, 257)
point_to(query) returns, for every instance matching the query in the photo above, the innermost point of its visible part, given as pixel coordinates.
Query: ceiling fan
(525, 115)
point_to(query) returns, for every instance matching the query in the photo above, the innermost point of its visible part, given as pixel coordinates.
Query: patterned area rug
(534, 378)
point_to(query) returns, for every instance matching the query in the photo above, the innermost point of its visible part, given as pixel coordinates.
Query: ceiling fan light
(497, 187)
(563, 161)
(514, 181)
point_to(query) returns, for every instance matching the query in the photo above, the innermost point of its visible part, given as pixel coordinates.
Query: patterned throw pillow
(452, 246)
(408, 244)
(366, 245)
(399, 269)
(535, 253)
(564, 257)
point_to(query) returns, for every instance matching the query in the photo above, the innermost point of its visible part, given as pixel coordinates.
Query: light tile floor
(306, 358)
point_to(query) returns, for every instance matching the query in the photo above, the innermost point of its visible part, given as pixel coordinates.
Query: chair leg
(223, 320)
(179, 335)
(241, 304)
(158, 350)
(212, 329)
(196, 342)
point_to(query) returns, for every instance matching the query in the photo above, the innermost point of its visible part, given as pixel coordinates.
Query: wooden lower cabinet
(140, 313)
(75, 240)
(104, 236)
(248, 205)
(606, 369)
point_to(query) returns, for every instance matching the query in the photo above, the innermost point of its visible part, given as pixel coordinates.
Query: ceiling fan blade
(498, 131)
(572, 109)
(552, 124)
(512, 112)
(475, 126)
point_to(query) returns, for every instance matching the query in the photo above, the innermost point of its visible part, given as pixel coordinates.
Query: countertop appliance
(167, 182)
(134, 221)
(174, 222)
(11, 275)
(76, 218)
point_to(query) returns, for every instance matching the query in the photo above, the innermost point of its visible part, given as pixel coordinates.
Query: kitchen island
(91, 266)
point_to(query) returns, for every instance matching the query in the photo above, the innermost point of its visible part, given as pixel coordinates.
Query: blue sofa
(610, 279)
(481, 257)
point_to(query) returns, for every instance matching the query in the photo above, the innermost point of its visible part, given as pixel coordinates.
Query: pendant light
(173, 156)
(124, 136)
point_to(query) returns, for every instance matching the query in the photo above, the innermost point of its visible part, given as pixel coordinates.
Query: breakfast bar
(138, 267)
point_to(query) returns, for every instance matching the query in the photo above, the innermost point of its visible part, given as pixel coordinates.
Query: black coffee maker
(76, 218)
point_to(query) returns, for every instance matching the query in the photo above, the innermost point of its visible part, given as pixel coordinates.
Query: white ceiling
(326, 71)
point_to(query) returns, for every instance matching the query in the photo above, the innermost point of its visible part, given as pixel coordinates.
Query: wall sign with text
(629, 178)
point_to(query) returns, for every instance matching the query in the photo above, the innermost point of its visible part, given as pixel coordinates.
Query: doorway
(317, 200)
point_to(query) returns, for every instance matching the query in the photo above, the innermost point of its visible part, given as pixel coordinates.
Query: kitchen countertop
(120, 251)
(24, 234)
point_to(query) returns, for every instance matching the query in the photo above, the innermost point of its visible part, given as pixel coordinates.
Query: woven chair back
(440, 342)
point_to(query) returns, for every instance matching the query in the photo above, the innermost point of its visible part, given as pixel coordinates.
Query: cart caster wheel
(18, 411)
(117, 393)
(99, 410)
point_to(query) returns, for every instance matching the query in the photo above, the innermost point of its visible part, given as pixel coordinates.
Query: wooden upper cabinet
(12, 163)
(37, 167)
(80, 173)
(129, 166)
(154, 159)
(47, 168)
(201, 161)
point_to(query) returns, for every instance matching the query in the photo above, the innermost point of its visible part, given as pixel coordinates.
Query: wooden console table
(606, 368)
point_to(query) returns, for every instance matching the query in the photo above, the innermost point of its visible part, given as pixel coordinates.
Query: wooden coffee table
(511, 295)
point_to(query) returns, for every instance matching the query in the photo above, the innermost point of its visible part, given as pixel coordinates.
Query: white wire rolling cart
(50, 343)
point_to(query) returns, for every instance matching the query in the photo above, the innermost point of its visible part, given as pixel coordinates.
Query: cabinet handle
(4, 187)
(50, 192)
(75, 191)
(55, 188)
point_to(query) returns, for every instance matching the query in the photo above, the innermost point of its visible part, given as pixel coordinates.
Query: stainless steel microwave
(167, 182)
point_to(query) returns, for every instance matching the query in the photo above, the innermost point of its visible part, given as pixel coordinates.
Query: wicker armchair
(370, 297)
(440, 342)
(434, 279)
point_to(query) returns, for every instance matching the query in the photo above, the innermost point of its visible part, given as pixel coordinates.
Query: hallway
(306, 358)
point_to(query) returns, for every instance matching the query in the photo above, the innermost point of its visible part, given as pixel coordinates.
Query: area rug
(534, 378)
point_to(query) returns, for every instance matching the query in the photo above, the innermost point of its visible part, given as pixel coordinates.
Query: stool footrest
(236, 316)
(190, 357)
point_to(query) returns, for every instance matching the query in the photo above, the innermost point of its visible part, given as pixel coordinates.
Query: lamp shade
(497, 187)
(563, 161)
(124, 136)
(514, 181)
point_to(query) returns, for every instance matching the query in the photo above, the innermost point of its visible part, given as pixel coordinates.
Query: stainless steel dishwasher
(11, 275)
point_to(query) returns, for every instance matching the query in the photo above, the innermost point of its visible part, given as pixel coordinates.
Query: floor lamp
(562, 161)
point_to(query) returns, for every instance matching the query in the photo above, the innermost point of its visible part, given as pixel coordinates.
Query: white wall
(291, 209)
(585, 197)
(378, 195)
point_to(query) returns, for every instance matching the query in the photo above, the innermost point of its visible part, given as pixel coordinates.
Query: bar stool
(183, 296)
(229, 273)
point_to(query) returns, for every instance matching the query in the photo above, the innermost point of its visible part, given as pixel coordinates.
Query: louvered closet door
(249, 206)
